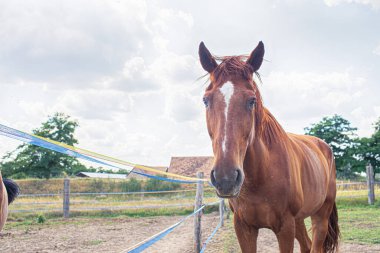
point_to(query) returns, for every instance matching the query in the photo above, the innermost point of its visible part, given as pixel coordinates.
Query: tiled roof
(189, 166)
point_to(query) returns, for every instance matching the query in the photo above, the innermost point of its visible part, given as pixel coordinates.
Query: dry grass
(28, 206)
(55, 185)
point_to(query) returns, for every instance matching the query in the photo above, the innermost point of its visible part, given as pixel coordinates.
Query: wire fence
(111, 201)
(170, 200)
(116, 201)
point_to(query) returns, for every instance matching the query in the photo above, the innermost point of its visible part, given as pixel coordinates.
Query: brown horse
(272, 179)
(8, 192)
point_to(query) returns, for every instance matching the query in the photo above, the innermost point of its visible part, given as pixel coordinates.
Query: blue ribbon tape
(27, 138)
(161, 235)
(210, 237)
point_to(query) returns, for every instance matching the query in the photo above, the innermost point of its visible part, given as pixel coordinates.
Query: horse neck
(270, 140)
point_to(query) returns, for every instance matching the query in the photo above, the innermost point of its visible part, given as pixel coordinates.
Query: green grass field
(358, 221)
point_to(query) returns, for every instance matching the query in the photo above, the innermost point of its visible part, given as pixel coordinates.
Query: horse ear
(208, 62)
(256, 57)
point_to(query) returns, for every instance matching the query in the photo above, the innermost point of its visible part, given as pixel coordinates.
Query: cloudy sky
(127, 70)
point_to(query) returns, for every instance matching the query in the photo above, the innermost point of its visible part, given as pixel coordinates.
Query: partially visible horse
(8, 192)
(272, 179)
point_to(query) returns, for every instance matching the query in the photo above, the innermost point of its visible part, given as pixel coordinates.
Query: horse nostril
(238, 176)
(213, 180)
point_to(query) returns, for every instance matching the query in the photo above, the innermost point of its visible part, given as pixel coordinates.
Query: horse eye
(206, 101)
(251, 103)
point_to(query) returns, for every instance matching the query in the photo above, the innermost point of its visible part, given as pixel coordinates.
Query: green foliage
(41, 219)
(341, 136)
(32, 161)
(158, 185)
(368, 150)
(351, 152)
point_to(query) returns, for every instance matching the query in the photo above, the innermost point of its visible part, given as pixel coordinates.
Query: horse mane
(271, 131)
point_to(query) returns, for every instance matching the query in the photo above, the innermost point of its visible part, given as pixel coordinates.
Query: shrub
(41, 219)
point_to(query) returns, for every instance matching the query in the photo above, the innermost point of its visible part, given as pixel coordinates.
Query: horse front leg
(247, 236)
(286, 235)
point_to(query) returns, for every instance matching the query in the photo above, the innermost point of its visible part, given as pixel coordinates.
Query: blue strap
(30, 139)
(162, 234)
(164, 178)
(210, 237)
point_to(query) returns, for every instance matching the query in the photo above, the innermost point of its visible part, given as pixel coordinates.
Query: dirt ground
(118, 234)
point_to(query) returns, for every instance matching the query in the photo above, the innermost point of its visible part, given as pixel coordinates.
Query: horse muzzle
(227, 185)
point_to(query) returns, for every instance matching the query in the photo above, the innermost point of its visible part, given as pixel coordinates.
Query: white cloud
(127, 70)
(377, 50)
(183, 107)
(375, 4)
(110, 67)
(299, 99)
(94, 104)
(78, 40)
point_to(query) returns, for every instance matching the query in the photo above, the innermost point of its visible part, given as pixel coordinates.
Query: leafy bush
(41, 219)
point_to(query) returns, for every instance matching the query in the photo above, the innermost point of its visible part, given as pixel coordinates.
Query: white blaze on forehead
(227, 90)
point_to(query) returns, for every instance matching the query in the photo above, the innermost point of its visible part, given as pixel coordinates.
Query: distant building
(141, 177)
(190, 165)
(101, 175)
(185, 166)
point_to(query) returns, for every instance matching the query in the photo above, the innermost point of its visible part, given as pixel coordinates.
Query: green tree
(32, 161)
(368, 150)
(341, 136)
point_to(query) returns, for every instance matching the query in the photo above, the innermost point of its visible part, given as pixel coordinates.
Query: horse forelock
(232, 66)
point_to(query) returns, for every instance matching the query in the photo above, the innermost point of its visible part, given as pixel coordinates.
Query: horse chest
(259, 212)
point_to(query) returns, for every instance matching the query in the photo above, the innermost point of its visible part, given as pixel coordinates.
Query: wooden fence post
(221, 212)
(66, 198)
(198, 216)
(370, 184)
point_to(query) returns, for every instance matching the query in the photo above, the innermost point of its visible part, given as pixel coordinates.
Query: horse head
(233, 110)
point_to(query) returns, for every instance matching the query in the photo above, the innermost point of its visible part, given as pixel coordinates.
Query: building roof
(190, 165)
(101, 175)
(140, 177)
